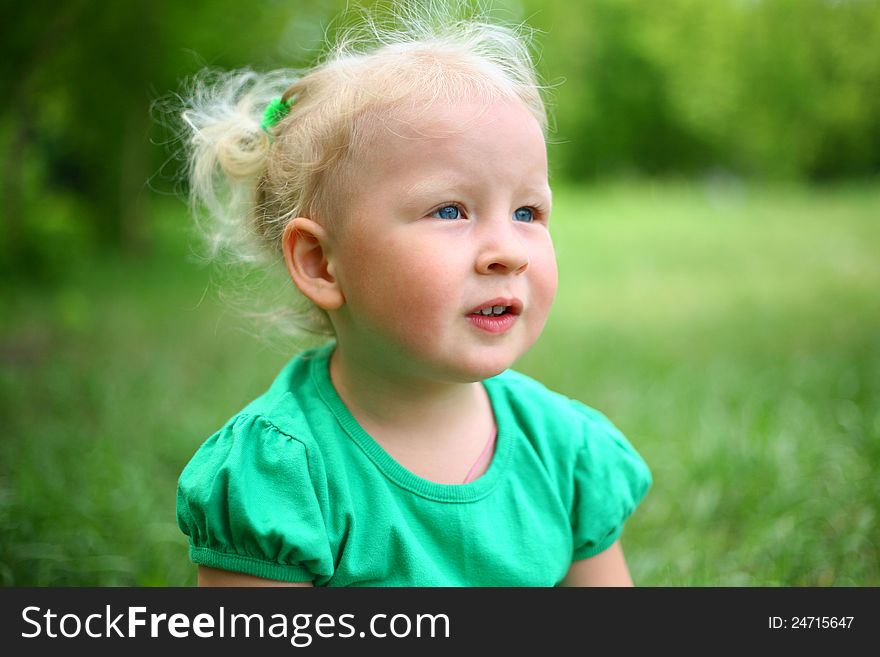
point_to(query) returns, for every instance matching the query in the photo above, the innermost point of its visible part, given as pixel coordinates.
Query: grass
(731, 333)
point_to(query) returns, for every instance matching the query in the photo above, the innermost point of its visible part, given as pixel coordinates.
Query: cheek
(552, 280)
(545, 275)
(393, 277)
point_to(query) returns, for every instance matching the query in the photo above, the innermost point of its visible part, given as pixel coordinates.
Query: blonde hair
(246, 183)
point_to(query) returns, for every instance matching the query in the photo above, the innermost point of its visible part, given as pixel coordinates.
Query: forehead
(495, 142)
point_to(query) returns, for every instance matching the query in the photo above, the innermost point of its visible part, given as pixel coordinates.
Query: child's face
(446, 214)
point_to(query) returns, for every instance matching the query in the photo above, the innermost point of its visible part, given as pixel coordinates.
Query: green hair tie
(275, 111)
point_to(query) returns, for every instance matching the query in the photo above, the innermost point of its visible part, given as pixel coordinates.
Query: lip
(493, 323)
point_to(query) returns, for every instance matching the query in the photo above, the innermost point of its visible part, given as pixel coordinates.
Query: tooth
(498, 309)
(486, 311)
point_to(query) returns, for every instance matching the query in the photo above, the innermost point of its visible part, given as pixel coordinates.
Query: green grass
(732, 333)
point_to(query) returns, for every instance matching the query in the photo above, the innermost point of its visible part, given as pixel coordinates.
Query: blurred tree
(30, 42)
(82, 76)
(616, 112)
(765, 88)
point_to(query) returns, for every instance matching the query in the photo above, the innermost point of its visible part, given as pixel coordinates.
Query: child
(405, 189)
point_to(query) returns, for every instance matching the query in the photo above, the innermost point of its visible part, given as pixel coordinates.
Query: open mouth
(497, 315)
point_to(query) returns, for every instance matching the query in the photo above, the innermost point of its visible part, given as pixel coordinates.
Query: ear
(306, 253)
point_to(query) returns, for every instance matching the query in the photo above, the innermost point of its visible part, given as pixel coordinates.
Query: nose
(502, 250)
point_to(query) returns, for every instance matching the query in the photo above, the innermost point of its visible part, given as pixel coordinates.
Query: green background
(716, 206)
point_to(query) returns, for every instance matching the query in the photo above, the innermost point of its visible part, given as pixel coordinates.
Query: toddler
(404, 187)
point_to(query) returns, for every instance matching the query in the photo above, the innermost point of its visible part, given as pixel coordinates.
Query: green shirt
(293, 489)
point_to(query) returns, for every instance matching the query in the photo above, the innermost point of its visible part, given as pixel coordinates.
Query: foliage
(765, 89)
(782, 89)
(80, 126)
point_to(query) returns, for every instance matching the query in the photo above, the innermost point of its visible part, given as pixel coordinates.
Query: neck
(394, 402)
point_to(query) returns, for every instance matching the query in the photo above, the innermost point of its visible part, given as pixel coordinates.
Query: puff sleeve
(610, 480)
(249, 504)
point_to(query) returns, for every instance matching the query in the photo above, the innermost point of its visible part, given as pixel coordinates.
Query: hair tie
(275, 111)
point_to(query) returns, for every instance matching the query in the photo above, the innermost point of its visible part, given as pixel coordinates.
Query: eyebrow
(432, 186)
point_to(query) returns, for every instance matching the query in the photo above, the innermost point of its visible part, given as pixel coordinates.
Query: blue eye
(523, 214)
(447, 212)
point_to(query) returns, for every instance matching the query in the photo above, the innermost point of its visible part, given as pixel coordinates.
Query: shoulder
(568, 434)
(285, 413)
(292, 394)
(247, 469)
(271, 439)
(536, 409)
(602, 477)
(246, 440)
(529, 397)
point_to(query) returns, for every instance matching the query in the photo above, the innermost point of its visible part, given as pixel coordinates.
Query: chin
(478, 367)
